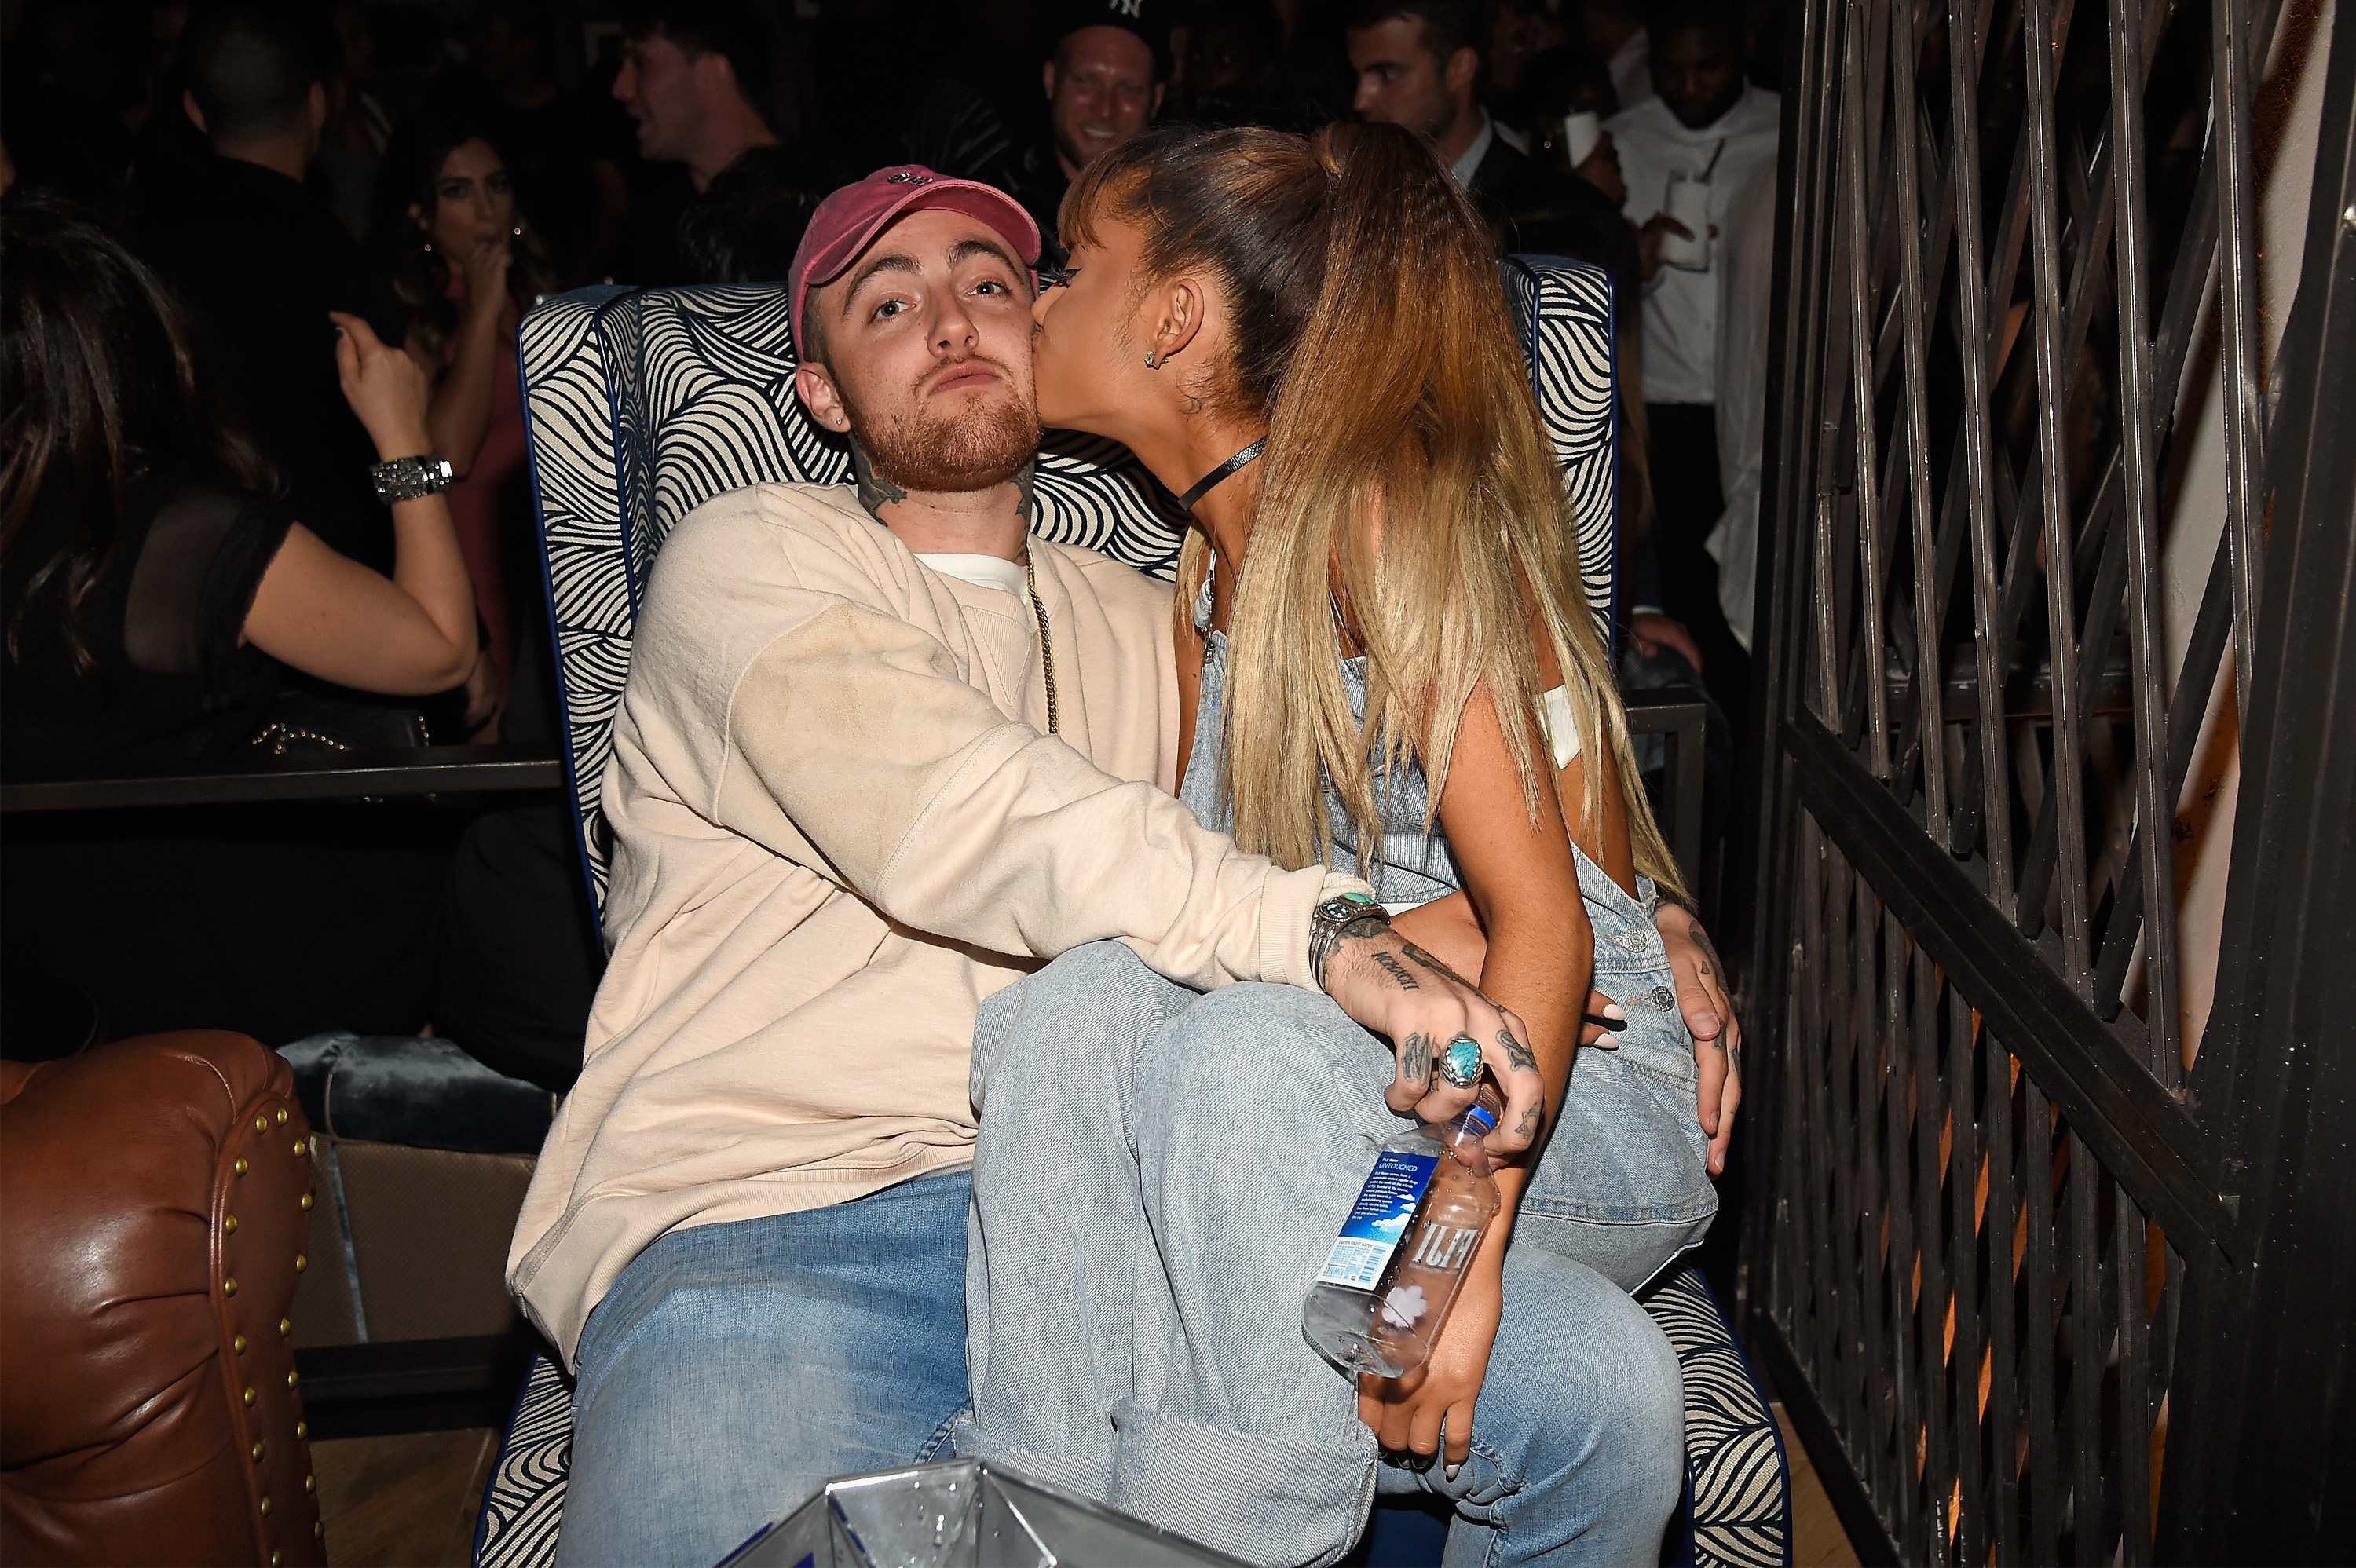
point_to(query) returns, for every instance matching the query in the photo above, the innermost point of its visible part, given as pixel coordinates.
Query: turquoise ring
(1460, 1064)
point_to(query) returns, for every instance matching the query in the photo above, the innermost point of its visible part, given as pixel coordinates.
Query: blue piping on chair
(1774, 1428)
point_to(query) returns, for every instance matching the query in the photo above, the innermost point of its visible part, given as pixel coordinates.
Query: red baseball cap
(847, 222)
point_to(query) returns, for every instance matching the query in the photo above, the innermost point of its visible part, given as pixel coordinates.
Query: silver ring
(1460, 1064)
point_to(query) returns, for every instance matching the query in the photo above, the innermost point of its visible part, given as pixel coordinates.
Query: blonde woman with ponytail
(1386, 663)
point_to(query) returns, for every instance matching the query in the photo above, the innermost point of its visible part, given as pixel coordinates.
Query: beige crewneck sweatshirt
(838, 826)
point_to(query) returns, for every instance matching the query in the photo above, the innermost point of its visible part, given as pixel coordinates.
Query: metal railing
(1986, 1179)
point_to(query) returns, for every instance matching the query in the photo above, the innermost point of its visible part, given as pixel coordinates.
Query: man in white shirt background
(1708, 124)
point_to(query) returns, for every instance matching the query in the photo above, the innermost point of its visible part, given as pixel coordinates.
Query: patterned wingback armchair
(641, 405)
(644, 404)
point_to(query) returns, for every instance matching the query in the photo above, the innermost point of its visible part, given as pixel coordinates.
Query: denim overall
(1624, 1185)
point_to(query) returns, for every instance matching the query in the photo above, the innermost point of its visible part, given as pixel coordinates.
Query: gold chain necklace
(1046, 643)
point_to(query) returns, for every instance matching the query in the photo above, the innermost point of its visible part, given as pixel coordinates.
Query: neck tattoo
(875, 492)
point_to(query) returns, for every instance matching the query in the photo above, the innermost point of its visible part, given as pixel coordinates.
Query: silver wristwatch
(1333, 920)
(410, 478)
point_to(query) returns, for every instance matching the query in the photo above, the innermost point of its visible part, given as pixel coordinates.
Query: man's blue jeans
(733, 1368)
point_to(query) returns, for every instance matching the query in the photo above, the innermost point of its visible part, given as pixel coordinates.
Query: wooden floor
(1817, 1539)
(403, 1502)
(410, 1502)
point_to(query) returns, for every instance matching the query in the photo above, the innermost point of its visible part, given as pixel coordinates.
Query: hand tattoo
(1397, 971)
(1435, 965)
(1530, 1120)
(1365, 925)
(1701, 940)
(1515, 1052)
(1415, 1059)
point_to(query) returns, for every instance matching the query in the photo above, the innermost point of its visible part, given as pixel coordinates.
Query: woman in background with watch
(468, 264)
(153, 592)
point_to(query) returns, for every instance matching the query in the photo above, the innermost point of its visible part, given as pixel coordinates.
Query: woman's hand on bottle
(1394, 988)
(384, 387)
(1410, 1413)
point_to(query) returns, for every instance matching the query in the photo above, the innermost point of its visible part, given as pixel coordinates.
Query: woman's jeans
(1159, 1176)
(733, 1368)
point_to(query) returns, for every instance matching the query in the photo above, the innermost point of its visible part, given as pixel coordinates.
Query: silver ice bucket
(962, 1514)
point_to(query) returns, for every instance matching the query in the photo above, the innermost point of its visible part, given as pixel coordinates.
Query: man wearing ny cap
(1104, 82)
(880, 752)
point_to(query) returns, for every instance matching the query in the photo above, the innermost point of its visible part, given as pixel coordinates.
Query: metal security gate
(2006, 227)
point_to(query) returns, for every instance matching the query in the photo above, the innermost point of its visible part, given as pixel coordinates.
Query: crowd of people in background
(425, 170)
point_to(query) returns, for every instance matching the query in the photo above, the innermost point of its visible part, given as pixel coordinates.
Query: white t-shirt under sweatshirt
(981, 571)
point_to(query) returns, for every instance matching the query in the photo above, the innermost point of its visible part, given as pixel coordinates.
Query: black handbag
(302, 723)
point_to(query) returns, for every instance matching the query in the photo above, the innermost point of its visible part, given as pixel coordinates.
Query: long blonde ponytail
(1408, 488)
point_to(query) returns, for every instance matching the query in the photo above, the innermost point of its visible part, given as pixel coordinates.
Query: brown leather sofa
(155, 1197)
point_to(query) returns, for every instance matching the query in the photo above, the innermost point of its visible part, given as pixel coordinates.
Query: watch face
(408, 478)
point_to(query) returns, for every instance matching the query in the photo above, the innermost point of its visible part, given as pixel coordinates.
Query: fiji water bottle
(1386, 1289)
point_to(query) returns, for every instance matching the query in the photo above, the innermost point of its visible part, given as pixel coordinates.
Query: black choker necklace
(1226, 470)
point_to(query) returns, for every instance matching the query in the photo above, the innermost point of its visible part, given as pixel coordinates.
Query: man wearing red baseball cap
(880, 752)
(974, 427)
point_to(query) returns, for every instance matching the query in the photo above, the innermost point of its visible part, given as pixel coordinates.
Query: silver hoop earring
(1153, 361)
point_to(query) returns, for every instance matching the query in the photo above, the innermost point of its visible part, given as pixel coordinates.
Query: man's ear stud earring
(1153, 361)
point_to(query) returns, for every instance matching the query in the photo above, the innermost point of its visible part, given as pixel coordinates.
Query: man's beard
(913, 450)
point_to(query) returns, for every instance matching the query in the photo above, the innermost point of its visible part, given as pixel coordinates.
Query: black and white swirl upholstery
(1736, 1507)
(641, 405)
(524, 1498)
(1563, 311)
